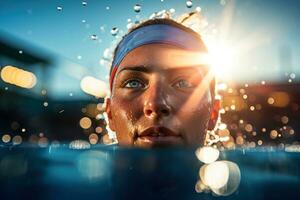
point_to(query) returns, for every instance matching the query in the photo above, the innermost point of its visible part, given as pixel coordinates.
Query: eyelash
(124, 85)
(180, 81)
(192, 85)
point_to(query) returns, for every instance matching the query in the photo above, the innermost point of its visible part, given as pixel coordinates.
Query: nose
(155, 105)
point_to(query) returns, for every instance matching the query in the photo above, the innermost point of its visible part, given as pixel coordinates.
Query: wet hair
(171, 22)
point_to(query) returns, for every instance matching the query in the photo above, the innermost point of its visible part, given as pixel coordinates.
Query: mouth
(158, 136)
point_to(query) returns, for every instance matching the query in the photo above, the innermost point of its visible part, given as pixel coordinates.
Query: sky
(76, 33)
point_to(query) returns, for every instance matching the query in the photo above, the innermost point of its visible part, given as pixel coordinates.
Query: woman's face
(160, 97)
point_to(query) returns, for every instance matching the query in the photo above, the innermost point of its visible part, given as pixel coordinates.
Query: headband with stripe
(153, 34)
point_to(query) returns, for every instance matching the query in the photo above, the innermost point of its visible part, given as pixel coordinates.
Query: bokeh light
(93, 86)
(18, 77)
(85, 123)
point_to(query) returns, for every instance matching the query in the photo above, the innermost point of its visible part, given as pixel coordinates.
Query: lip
(158, 136)
(158, 131)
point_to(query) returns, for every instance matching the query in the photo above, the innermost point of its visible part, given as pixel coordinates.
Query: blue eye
(183, 84)
(134, 84)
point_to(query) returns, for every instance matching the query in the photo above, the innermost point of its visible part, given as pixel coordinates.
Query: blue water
(107, 172)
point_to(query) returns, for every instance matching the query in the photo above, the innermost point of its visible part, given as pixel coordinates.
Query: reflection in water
(79, 144)
(13, 165)
(221, 177)
(93, 165)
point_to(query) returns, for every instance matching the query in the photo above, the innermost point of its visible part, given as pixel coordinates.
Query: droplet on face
(114, 31)
(198, 9)
(137, 8)
(189, 3)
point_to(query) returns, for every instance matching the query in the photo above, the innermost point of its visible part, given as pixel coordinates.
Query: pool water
(109, 172)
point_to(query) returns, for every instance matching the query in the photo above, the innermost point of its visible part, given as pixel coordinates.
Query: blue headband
(155, 33)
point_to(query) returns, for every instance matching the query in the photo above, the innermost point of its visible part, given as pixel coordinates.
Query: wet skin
(156, 99)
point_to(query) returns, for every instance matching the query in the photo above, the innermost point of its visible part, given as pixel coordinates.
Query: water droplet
(129, 25)
(223, 2)
(6, 88)
(292, 75)
(70, 94)
(23, 130)
(44, 92)
(59, 8)
(94, 37)
(198, 9)
(84, 3)
(290, 80)
(114, 31)
(137, 8)
(99, 116)
(107, 53)
(222, 126)
(102, 29)
(107, 7)
(189, 3)
(172, 10)
(83, 21)
(79, 57)
(20, 52)
(45, 104)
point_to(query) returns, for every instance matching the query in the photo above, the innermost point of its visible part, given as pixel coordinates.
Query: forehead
(163, 56)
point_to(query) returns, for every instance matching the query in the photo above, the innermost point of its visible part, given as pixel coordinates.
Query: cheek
(125, 115)
(195, 121)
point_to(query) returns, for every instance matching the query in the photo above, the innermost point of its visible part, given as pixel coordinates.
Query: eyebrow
(139, 68)
(148, 69)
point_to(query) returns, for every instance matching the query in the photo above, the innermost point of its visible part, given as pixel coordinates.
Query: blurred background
(55, 58)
